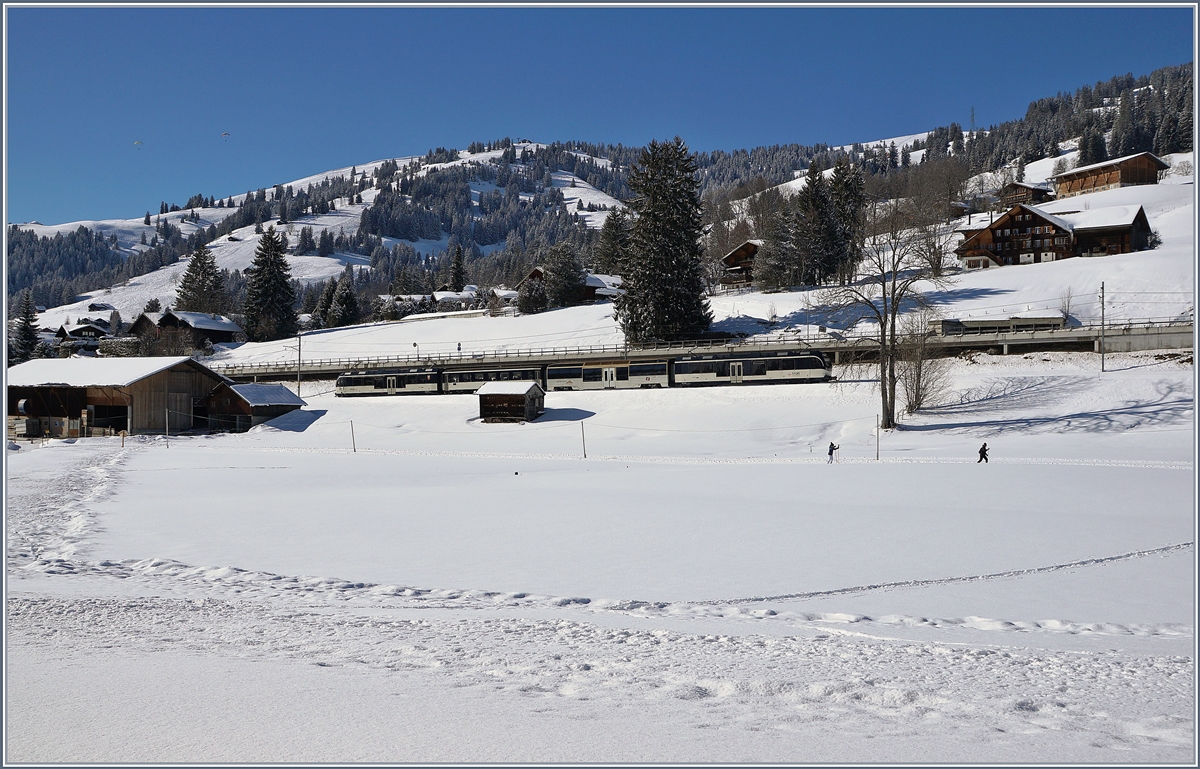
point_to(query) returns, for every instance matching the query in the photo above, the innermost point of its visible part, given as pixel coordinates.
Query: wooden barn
(216, 328)
(238, 407)
(1142, 168)
(76, 397)
(511, 401)
(1027, 235)
(739, 265)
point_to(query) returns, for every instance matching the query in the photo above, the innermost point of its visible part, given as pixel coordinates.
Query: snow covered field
(389, 579)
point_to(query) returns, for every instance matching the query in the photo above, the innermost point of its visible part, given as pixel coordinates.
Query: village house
(510, 401)
(1027, 235)
(76, 397)
(595, 286)
(1142, 168)
(739, 265)
(87, 332)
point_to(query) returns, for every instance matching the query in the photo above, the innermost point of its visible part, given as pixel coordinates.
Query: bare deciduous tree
(924, 372)
(892, 279)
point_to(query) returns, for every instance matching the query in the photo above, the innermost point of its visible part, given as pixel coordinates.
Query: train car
(608, 375)
(413, 381)
(747, 368)
(470, 381)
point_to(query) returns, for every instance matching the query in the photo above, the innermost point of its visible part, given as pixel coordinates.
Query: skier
(832, 448)
(982, 455)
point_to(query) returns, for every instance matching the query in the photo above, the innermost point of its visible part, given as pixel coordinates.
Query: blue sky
(304, 90)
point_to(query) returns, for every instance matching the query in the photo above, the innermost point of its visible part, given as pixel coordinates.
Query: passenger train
(688, 371)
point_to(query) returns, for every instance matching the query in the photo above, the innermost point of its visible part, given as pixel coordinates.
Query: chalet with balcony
(1028, 235)
(1142, 168)
(739, 265)
(1029, 193)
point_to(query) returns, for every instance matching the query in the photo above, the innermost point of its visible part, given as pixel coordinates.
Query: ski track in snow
(816, 674)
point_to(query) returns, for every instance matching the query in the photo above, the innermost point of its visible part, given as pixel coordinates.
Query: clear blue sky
(305, 90)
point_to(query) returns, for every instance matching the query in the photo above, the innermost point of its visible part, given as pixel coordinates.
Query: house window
(1037, 230)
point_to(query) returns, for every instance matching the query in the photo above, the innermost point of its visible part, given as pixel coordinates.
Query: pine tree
(325, 302)
(343, 307)
(305, 244)
(325, 243)
(24, 337)
(613, 248)
(146, 221)
(563, 275)
(270, 299)
(201, 288)
(531, 297)
(153, 306)
(664, 296)
(849, 203)
(458, 277)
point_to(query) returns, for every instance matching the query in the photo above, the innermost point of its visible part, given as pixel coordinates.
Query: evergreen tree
(146, 221)
(531, 297)
(325, 302)
(153, 306)
(270, 299)
(23, 338)
(201, 289)
(458, 277)
(325, 243)
(343, 307)
(563, 275)
(664, 296)
(306, 244)
(613, 248)
(849, 203)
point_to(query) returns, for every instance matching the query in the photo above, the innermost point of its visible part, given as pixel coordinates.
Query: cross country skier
(832, 449)
(982, 455)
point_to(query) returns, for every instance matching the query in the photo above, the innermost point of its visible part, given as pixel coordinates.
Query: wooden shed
(238, 407)
(739, 265)
(1142, 168)
(511, 401)
(75, 397)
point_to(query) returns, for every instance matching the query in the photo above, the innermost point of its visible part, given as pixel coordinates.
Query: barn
(739, 265)
(78, 397)
(1142, 168)
(238, 407)
(511, 401)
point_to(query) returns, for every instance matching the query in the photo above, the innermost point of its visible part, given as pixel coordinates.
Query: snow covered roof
(453, 296)
(1102, 218)
(1083, 169)
(91, 372)
(508, 388)
(1033, 185)
(504, 293)
(206, 321)
(267, 395)
(73, 330)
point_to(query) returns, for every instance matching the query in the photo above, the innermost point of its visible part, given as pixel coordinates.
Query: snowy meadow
(389, 579)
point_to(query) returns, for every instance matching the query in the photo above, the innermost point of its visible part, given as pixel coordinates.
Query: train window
(649, 369)
(754, 368)
(623, 373)
(592, 374)
(564, 373)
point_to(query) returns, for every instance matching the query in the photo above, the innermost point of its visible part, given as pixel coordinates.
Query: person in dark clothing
(982, 454)
(832, 449)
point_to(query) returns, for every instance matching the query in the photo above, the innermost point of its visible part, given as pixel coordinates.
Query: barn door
(610, 378)
(179, 410)
(735, 373)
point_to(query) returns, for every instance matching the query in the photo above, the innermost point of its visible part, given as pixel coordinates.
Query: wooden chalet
(238, 407)
(1142, 168)
(75, 397)
(1015, 193)
(88, 332)
(510, 401)
(1027, 235)
(739, 265)
(215, 328)
(593, 287)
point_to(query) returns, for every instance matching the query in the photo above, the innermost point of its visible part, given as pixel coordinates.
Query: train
(616, 374)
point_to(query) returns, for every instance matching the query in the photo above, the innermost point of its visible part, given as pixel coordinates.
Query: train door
(391, 385)
(610, 378)
(735, 372)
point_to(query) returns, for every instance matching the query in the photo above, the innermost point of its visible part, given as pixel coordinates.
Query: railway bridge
(1122, 336)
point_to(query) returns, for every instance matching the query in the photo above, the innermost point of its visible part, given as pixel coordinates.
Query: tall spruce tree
(848, 190)
(343, 308)
(270, 299)
(23, 339)
(563, 275)
(613, 247)
(201, 288)
(664, 288)
(458, 276)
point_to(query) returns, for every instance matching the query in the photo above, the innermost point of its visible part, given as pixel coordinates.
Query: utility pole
(876, 437)
(583, 437)
(298, 359)
(1101, 326)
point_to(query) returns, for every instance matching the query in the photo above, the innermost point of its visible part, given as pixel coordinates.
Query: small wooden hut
(511, 401)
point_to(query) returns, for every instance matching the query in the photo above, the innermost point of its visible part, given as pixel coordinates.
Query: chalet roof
(267, 395)
(205, 321)
(509, 388)
(1162, 164)
(153, 317)
(453, 296)
(72, 330)
(748, 248)
(93, 372)
(1102, 218)
(605, 285)
(1032, 185)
